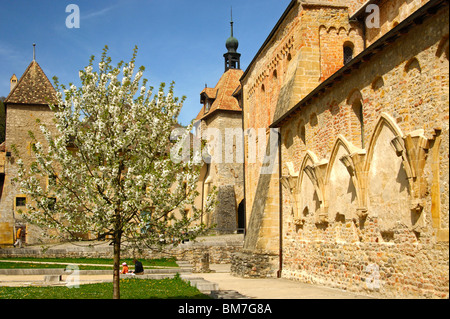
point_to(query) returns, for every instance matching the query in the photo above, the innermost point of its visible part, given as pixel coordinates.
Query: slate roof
(33, 88)
(222, 94)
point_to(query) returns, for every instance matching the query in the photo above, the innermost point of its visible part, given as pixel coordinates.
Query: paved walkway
(272, 288)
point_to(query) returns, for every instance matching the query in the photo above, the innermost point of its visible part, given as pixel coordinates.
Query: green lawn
(173, 288)
(106, 262)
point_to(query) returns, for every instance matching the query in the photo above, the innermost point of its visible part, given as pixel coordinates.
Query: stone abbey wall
(306, 47)
(365, 173)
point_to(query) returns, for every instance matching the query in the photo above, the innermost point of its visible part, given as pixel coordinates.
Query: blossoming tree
(109, 167)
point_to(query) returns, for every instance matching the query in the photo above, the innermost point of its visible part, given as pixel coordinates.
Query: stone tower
(219, 122)
(28, 100)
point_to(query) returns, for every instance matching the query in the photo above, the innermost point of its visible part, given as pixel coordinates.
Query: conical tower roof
(33, 88)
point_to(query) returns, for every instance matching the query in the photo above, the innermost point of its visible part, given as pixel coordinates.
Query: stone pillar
(225, 216)
(201, 264)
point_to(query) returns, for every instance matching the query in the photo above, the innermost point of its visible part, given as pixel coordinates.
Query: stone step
(200, 283)
(184, 264)
(52, 278)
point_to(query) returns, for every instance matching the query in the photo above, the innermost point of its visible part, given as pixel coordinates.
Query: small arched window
(348, 52)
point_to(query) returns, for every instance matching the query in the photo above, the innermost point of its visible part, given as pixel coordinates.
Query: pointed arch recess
(349, 147)
(389, 122)
(353, 172)
(387, 185)
(314, 169)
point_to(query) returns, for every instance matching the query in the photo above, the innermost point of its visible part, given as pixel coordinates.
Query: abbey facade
(340, 175)
(357, 94)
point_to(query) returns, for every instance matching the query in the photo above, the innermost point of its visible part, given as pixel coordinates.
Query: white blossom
(111, 165)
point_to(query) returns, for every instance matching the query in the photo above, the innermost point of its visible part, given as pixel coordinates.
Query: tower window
(348, 53)
(52, 203)
(21, 201)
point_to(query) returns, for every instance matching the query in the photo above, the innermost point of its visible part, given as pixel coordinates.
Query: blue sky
(178, 40)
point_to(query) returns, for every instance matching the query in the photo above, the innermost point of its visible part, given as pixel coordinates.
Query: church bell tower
(232, 57)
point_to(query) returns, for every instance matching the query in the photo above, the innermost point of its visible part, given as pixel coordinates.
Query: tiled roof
(209, 92)
(222, 94)
(33, 88)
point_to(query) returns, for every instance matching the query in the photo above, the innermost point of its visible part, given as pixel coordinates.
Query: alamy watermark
(373, 278)
(373, 17)
(73, 19)
(73, 279)
(218, 146)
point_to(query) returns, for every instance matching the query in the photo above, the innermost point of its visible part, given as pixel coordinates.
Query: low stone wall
(220, 251)
(248, 264)
(383, 270)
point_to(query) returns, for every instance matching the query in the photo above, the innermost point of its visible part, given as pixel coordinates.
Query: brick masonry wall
(385, 233)
(306, 48)
(392, 12)
(380, 270)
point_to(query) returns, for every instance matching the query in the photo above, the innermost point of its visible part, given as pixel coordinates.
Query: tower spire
(231, 22)
(34, 51)
(232, 58)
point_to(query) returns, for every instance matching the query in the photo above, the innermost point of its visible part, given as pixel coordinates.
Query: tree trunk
(116, 275)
